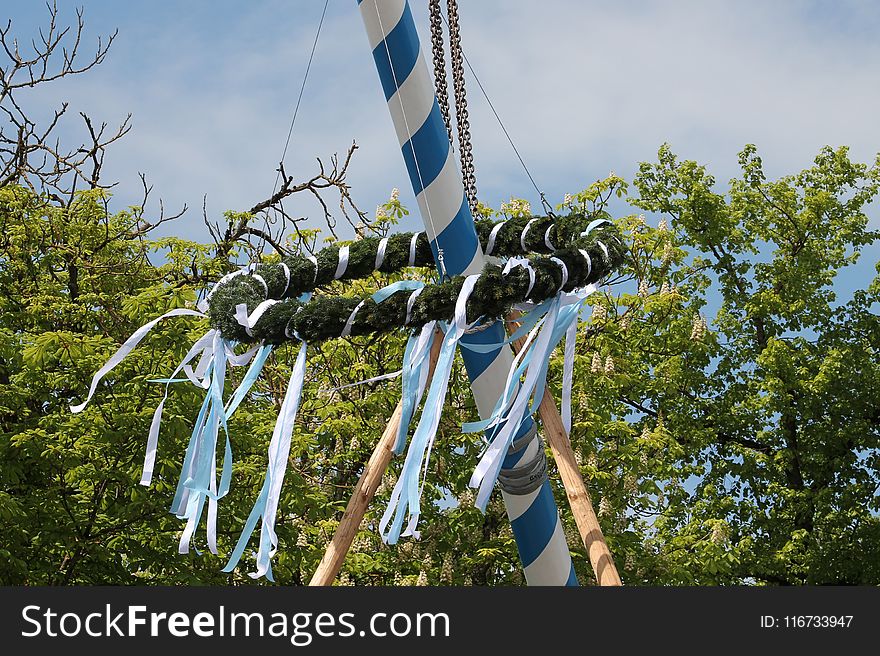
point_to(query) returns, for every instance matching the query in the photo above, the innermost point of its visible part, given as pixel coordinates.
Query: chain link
(440, 64)
(465, 147)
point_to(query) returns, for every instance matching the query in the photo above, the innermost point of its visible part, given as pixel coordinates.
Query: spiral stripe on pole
(436, 181)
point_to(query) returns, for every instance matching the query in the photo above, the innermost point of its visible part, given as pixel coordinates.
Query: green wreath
(566, 253)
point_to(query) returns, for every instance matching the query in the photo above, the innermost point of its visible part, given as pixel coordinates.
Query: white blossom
(446, 571)
(596, 364)
(643, 288)
(387, 484)
(609, 365)
(395, 194)
(719, 533)
(516, 207)
(663, 226)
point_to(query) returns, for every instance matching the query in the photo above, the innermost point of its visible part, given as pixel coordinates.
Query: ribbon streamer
(201, 484)
(533, 360)
(126, 348)
(202, 345)
(266, 504)
(407, 491)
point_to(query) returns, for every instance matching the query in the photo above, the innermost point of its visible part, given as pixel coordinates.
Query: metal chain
(440, 64)
(465, 147)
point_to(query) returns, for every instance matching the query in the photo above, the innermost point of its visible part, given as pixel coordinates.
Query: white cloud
(583, 87)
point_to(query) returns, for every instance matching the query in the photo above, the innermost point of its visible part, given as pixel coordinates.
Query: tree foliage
(746, 452)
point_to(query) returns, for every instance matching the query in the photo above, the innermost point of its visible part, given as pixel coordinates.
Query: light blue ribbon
(266, 504)
(415, 373)
(201, 483)
(414, 363)
(249, 379)
(562, 315)
(527, 322)
(393, 288)
(407, 491)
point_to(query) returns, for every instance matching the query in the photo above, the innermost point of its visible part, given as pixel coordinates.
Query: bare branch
(29, 154)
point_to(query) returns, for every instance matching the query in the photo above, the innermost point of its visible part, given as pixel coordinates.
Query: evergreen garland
(493, 296)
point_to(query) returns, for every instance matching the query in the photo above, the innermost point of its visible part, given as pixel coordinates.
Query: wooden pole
(365, 490)
(575, 489)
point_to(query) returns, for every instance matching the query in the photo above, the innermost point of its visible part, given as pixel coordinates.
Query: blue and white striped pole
(437, 184)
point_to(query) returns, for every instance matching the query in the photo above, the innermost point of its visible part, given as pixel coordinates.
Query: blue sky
(584, 87)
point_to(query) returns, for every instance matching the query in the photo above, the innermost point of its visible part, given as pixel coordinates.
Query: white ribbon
(380, 253)
(279, 449)
(250, 320)
(286, 270)
(490, 245)
(564, 270)
(199, 377)
(522, 237)
(486, 472)
(203, 344)
(342, 265)
(205, 302)
(551, 326)
(408, 489)
(415, 378)
(525, 264)
(346, 329)
(239, 360)
(200, 484)
(412, 249)
(604, 250)
(593, 225)
(588, 260)
(410, 302)
(314, 260)
(126, 348)
(547, 242)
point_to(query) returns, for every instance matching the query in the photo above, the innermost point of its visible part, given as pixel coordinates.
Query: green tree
(746, 452)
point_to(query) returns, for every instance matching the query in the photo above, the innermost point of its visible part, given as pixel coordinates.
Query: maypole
(437, 183)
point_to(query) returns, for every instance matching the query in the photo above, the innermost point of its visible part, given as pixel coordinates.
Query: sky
(584, 88)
